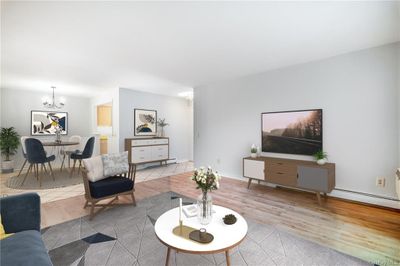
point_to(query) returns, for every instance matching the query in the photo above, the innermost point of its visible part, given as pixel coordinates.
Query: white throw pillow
(94, 167)
(115, 164)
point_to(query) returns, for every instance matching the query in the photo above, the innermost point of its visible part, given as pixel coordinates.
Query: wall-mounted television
(293, 132)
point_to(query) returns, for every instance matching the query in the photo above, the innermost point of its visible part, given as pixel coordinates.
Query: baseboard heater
(367, 194)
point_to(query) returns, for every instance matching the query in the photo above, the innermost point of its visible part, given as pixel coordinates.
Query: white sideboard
(147, 150)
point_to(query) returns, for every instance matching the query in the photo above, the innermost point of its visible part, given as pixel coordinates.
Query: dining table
(59, 145)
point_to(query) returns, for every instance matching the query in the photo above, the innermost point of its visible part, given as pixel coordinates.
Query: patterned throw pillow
(115, 164)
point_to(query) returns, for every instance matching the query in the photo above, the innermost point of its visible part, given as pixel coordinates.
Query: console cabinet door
(253, 169)
(313, 178)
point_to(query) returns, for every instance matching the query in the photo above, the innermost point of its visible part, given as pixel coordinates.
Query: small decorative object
(321, 157)
(161, 123)
(58, 134)
(180, 216)
(145, 122)
(201, 236)
(190, 210)
(253, 151)
(9, 142)
(206, 180)
(46, 123)
(229, 219)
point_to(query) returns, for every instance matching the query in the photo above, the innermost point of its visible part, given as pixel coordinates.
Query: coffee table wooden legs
(228, 260)
(168, 253)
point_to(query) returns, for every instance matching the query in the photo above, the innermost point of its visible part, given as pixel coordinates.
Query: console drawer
(140, 154)
(141, 142)
(285, 179)
(159, 152)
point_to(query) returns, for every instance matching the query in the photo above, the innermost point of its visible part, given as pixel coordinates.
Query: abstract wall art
(45, 123)
(145, 122)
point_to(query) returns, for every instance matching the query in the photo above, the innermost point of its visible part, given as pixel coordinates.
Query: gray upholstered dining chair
(36, 155)
(23, 138)
(85, 154)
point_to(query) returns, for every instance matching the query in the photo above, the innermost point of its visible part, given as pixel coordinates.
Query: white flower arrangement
(206, 179)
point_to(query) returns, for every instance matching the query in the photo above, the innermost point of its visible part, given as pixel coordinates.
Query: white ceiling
(170, 47)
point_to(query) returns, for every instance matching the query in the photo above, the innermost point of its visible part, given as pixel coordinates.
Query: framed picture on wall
(145, 122)
(45, 123)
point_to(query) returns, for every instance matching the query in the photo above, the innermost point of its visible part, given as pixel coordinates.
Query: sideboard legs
(248, 184)
(319, 198)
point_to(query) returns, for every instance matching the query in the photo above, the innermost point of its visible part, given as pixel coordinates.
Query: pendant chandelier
(51, 103)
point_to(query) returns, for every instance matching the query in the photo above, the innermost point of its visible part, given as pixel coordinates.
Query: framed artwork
(145, 122)
(44, 123)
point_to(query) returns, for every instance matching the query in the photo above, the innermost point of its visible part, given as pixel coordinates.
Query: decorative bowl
(229, 219)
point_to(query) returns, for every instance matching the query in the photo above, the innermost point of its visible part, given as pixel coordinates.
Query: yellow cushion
(2, 232)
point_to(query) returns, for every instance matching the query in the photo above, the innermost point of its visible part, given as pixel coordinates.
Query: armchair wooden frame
(93, 202)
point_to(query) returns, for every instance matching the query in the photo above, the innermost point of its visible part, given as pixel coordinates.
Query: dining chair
(23, 138)
(36, 155)
(70, 149)
(85, 154)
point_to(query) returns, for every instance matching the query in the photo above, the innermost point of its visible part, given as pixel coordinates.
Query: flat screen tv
(293, 132)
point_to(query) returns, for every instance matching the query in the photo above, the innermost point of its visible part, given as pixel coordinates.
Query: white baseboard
(348, 195)
(370, 199)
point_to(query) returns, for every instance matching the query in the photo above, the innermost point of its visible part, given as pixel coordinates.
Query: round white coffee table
(225, 236)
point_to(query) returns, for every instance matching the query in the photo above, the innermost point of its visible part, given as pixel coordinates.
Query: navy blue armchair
(35, 154)
(79, 156)
(20, 215)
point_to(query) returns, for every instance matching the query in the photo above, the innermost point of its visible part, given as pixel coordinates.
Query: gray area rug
(124, 235)
(62, 179)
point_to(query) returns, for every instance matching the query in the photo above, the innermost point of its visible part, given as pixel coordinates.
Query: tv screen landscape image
(293, 132)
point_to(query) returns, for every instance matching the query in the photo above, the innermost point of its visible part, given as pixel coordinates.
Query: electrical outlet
(380, 182)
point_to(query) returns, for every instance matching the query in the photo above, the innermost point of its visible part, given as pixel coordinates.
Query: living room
(120, 118)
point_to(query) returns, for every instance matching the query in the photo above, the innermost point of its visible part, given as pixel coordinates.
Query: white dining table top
(225, 236)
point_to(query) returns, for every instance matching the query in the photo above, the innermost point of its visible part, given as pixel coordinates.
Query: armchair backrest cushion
(115, 164)
(94, 168)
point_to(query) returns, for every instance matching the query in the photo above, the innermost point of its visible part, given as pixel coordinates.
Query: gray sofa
(20, 215)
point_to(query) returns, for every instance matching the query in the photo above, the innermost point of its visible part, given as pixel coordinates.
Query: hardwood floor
(366, 232)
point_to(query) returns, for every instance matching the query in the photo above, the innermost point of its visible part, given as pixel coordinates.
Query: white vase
(321, 161)
(253, 155)
(204, 208)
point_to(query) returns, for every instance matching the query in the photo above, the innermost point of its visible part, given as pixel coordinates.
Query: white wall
(358, 93)
(177, 112)
(16, 107)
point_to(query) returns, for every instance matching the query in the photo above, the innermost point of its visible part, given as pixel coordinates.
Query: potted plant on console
(321, 157)
(161, 123)
(253, 151)
(9, 142)
(206, 180)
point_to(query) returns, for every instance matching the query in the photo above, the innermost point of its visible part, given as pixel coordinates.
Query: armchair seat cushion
(24, 248)
(110, 186)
